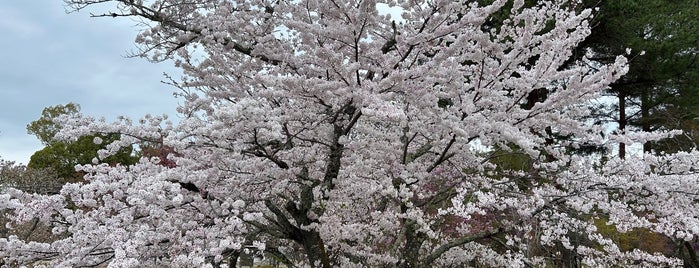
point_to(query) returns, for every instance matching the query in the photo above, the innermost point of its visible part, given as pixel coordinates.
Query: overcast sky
(49, 57)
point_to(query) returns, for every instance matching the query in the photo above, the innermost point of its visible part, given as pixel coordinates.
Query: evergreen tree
(661, 89)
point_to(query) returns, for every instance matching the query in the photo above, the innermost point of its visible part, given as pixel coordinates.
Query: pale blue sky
(48, 57)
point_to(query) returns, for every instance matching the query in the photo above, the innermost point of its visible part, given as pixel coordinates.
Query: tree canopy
(45, 128)
(62, 156)
(661, 89)
(334, 134)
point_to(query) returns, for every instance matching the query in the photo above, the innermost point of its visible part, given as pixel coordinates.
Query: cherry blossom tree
(363, 134)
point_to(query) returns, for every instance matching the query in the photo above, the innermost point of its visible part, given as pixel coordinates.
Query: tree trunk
(315, 249)
(413, 242)
(622, 122)
(690, 260)
(645, 117)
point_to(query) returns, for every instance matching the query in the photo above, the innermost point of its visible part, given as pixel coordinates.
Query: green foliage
(45, 128)
(642, 239)
(663, 79)
(61, 157)
(511, 160)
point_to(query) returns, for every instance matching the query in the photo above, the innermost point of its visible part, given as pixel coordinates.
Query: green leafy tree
(45, 128)
(61, 156)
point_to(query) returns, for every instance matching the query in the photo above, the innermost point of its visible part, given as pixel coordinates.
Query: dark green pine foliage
(661, 89)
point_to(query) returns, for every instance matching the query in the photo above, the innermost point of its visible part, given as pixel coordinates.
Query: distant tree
(45, 128)
(661, 88)
(62, 156)
(13, 175)
(156, 149)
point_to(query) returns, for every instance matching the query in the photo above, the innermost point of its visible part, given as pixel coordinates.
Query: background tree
(62, 156)
(165, 154)
(45, 128)
(13, 175)
(333, 131)
(661, 89)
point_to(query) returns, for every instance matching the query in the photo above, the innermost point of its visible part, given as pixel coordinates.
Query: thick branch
(444, 155)
(458, 242)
